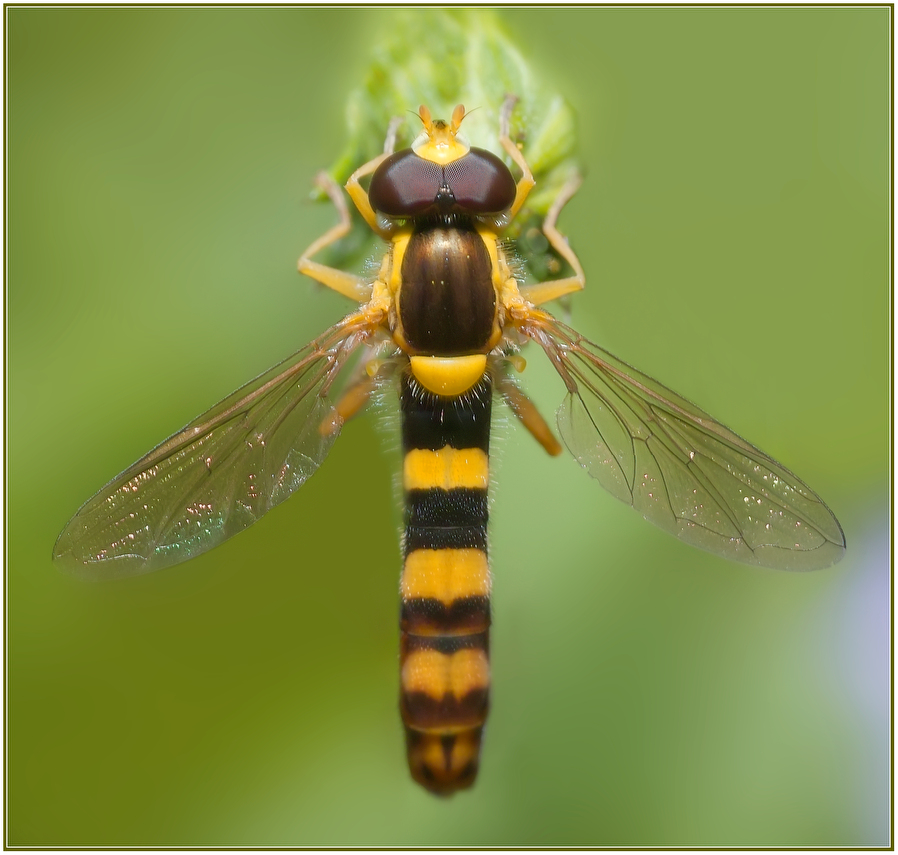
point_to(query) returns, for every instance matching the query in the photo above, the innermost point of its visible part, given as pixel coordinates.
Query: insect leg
(526, 412)
(354, 287)
(525, 185)
(347, 284)
(542, 292)
(367, 376)
(359, 195)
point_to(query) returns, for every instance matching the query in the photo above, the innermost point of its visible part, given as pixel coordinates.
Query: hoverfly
(443, 320)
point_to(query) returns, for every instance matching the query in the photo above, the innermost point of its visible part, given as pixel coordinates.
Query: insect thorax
(447, 300)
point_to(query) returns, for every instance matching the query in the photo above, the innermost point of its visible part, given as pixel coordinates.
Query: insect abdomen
(445, 584)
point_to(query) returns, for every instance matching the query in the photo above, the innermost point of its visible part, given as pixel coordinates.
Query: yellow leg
(349, 405)
(542, 292)
(347, 284)
(366, 377)
(526, 182)
(526, 411)
(359, 195)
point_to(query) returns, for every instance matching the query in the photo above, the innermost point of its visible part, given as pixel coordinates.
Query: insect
(443, 321)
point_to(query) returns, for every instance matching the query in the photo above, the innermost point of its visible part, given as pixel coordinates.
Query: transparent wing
(681, 469)
(216, 476)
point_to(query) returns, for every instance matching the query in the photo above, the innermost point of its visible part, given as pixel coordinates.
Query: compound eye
(481, 183)
(404, 184)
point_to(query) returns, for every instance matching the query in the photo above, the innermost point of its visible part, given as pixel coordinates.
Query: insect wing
(681, 469)
(216, 476)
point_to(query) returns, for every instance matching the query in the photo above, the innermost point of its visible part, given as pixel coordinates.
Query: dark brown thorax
(447, 302)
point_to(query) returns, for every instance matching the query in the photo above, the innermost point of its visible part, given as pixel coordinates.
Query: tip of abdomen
(444, 702)
(444, 763)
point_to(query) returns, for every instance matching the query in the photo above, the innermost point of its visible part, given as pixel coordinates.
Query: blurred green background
(734, 227)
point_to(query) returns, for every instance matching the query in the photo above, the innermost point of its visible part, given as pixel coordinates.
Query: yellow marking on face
(439, 141)
(438, 674)
(448, 376)
(446, 575)
(445, 469)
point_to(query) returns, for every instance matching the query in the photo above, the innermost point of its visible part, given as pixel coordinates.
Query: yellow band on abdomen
(446, 575)
(446, 469)
(439, 674)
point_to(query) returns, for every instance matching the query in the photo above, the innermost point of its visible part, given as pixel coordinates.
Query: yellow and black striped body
(445, 582)
(447, 312)
(440, 290)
